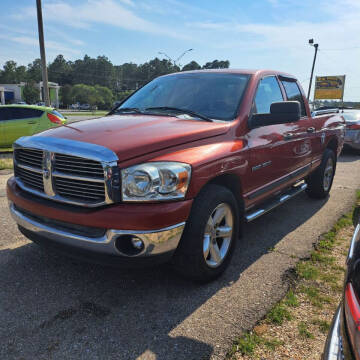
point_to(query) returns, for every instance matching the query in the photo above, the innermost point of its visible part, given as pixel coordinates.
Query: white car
(352, 133)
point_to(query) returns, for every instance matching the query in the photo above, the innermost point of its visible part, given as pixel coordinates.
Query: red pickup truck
(173, 172)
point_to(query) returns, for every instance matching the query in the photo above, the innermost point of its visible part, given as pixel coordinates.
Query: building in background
(12, 93)
(2, 95)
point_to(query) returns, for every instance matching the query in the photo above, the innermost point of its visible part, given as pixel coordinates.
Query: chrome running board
(275, 202)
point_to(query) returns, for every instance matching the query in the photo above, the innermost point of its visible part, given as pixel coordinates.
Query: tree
(216, 64)
(34, 71)
(8, 74)
(31, 93)
(20, 74)
(100, 96)
(193, 65)
(65, 95)
(104, 97)
(60, 71)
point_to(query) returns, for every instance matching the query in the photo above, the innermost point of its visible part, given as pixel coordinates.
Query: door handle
(31, 122)
(310, 129)
(288, 136)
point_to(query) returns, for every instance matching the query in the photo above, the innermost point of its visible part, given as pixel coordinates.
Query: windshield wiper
(181, 111)
(128, 110)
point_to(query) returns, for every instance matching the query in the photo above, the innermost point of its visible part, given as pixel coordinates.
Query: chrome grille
(75, 165)
(80, 189)
(85, 174)
(29, 157)
(30, 178)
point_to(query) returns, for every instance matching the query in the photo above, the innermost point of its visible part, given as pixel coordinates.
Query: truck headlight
(155, 181)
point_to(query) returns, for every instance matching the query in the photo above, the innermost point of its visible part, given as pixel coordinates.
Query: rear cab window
(293, 93)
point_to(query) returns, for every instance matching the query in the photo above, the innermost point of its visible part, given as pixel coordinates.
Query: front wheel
(210, 235)
(320, 181)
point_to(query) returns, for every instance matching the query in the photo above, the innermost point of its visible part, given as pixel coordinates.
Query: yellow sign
(329, 87)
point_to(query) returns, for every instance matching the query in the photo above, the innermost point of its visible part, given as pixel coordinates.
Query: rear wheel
(210, 235)
(320, 181)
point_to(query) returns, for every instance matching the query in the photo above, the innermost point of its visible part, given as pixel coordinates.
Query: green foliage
(315, 297)
(246, 344)
(278, 314)
(60, 71)
(97, 95)
(303, 330)
(31, 94)
(193, 65)
(216, 64)
(291, 299)
(65, 95)
(307, 270)
(324, 326)
(99, 71)
(316, 256)
(6, 164)
(34, 71)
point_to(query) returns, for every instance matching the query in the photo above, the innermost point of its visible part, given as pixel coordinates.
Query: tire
(202, 254)
(320, 181)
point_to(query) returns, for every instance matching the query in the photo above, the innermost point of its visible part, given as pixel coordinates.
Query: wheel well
(333, 145)
(232, 182)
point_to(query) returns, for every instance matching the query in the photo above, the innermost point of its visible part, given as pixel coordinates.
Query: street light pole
(42, 54)
(186, 51)
(311, 42)
(175, 62)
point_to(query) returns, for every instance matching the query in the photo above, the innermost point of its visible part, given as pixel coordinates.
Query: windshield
(212, 95)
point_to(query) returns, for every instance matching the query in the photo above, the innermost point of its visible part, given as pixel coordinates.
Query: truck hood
(130, 136)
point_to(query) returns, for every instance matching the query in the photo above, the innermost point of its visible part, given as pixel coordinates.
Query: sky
(271, 34)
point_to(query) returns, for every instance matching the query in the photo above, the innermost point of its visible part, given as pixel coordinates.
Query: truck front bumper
(57, 229)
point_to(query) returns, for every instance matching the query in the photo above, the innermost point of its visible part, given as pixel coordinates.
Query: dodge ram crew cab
(173, 172)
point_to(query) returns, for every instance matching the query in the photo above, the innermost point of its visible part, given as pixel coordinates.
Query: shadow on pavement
(349, 155)
(54, 307)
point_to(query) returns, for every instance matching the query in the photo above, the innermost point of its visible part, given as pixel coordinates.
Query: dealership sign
(329, 87)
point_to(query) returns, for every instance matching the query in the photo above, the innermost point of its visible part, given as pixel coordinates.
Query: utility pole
(311, 42)
(42, 54)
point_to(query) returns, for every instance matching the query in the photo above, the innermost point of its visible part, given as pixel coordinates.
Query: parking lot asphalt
(52, 307)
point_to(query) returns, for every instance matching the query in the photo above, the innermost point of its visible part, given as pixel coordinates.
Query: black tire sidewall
(316, 180)
(189, 258)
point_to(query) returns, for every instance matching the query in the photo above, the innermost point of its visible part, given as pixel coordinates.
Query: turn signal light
(54, 119)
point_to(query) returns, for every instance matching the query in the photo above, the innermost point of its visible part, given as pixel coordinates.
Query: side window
(293, 94)
(31, 113)
(15, 113)
(267, 92)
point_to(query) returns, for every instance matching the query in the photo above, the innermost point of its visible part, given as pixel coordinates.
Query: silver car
(352, 133)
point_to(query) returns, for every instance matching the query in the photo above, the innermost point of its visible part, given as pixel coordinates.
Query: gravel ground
(314, 313)
(55, 308)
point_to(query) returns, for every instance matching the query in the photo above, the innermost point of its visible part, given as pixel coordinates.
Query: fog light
(137, 243)
(129, 245)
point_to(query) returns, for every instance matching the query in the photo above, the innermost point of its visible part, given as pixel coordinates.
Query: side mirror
(280, 113)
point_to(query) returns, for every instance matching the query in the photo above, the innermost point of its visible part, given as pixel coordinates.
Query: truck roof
(238, 71)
